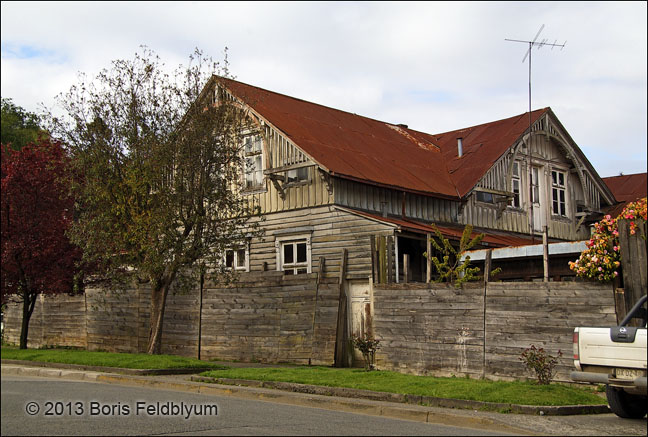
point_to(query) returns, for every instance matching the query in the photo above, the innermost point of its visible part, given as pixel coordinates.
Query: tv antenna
(539, 45)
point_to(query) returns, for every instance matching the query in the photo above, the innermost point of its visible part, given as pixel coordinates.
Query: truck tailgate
(600, 350)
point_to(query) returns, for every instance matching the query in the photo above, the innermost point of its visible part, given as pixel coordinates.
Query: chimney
(459, 147)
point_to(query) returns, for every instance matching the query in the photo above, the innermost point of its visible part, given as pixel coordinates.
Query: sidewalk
(440, 411)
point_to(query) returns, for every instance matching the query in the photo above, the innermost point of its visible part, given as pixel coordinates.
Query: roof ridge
(493, 122)
(313, 103)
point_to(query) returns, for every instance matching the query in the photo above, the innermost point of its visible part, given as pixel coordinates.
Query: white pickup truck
(616, 357)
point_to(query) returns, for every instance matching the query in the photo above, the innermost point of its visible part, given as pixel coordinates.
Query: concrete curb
(410, 399)
(121, 370)
(391, 405)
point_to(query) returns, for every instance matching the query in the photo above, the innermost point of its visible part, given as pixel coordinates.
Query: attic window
(253, 150)
(297, 175)
(485, 197)
(558, 190)
(515, 186)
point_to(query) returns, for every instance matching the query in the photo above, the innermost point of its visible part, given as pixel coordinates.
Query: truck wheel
(625, 405)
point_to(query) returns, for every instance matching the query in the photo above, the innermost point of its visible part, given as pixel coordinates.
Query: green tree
(157, 160)
(19, 127)
(450, 268)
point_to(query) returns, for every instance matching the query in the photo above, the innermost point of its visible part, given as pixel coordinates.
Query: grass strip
(106, 359)
(516, 392)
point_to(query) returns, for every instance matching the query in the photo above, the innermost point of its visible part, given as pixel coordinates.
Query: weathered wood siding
(330, 228)
(264, 317)
(437, 329)
(391, 201)
(306, 194)
(550, 148)
(56, 320)
(429, 329)
(270, 318)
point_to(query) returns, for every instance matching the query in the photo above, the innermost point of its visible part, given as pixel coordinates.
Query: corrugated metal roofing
(492, 238)
(483, 145)
(361, 148)
(626, 189)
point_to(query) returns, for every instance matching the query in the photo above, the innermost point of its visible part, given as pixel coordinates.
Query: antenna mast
(539, 45)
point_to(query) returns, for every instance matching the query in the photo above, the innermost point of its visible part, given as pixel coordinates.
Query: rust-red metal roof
(361, 148)
(626, 189)
(483, 145)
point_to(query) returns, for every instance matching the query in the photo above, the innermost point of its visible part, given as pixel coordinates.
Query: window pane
(288, 254)
(484, 197)
(258, 144)
(229, 258)
(240, 258)
(302, 271)
(516, 169)
(289, 272)
(301, 252)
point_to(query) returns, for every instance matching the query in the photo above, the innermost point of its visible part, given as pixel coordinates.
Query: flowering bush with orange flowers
(602, 258)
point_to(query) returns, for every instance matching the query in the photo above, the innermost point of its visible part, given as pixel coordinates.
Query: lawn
(523, 393)
(105, 359)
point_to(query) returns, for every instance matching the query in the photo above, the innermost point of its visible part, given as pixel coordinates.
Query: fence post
(428, 275)
(406, 268)
(633, 261)
(545, 254)
(341, 336)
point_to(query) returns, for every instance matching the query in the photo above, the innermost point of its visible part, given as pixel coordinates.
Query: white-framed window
(294, 254)
(516, 201)
(535, 185)
(253, 153)
(237, 259)
(558, 193)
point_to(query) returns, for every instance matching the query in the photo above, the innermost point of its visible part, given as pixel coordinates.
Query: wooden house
(326, 179)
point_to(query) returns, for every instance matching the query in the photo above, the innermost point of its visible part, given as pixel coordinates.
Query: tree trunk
(159, 293)
(29, 300)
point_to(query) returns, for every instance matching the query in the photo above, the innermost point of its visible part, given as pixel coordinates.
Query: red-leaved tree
(37, 257)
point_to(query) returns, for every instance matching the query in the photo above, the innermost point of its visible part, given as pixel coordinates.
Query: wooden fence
(482, 330)
(478, 330)
(265, 317)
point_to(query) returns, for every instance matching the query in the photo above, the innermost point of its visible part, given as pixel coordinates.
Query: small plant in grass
(537, 360)
(368, 346)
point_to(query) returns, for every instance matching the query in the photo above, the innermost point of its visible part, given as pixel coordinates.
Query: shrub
(537, 360)
(368, 346)
(602, 258)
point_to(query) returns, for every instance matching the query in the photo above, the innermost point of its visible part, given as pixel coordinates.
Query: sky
(434, 66)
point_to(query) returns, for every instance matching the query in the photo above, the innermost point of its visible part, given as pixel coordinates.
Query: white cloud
(435, 66)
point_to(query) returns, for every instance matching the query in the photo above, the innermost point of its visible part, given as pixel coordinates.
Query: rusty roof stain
(360, 148)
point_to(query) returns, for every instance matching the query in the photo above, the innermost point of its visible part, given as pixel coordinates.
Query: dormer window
(253, 150)
(485, 197)
(297, 175)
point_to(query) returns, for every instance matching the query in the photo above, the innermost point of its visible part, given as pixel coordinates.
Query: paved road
(49, 406)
